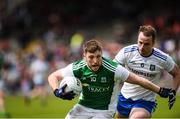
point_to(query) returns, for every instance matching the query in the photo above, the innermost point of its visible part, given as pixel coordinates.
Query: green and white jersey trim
(109, 66)
(81, 64)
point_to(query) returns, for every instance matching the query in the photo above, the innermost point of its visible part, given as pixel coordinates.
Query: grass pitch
(57, 108)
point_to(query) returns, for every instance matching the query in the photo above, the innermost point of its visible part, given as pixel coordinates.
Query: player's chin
(95, 68)
(142, 53)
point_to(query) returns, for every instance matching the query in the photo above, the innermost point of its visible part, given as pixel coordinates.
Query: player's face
(145, 44)
(94, 60)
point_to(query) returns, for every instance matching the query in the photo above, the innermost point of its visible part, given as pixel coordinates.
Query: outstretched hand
(168, 92)
(172, 98)
(64, 95)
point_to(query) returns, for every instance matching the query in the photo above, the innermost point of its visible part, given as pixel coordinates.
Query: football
(73, 84)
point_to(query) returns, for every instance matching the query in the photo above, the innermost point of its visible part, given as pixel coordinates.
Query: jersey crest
(152, 67)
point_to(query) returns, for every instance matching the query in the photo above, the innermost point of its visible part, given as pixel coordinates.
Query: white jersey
(150, 67)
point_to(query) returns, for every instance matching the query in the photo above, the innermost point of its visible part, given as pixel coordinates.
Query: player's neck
(148, 54)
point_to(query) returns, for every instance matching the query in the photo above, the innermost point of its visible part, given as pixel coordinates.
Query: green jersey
(100, 88)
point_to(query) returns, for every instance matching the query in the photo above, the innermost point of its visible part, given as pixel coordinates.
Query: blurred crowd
(38, 37)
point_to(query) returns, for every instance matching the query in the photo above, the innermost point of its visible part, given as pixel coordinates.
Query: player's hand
(172, 98)
(64, 95)
(164, 92)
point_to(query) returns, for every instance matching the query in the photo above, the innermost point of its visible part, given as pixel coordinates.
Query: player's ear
(84, 55)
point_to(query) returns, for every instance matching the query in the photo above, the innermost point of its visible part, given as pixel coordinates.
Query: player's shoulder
(109, 63)
(79, 64)
(160, 54)
(130, 48)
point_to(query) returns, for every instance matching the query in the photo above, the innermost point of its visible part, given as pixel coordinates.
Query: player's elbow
(50, 77)
(176, 75)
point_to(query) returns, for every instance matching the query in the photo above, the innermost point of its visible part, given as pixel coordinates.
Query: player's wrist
(56, 92)
(164, 92)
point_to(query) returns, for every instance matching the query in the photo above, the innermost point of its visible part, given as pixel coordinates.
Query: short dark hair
(148, 30)
(92, 46)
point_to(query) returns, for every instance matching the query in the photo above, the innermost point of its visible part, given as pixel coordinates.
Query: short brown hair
(92, 46)
(148, 31)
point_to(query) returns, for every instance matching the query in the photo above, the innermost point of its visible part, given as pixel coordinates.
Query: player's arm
(176, 77)
(135, 79)
(54, 80)
(175, 72)
(126, 76)
(55, 77)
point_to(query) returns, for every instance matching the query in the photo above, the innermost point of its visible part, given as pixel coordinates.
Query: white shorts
(82, 112)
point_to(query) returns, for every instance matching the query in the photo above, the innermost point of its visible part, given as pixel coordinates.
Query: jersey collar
(149, 54)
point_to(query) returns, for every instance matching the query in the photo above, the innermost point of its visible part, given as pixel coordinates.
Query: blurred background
(40, 36)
